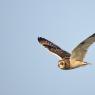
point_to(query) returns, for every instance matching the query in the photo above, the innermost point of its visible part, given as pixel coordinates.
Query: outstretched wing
(79, 52)
(53, 48)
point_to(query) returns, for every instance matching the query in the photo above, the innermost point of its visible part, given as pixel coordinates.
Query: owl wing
(80, 51)
(53, 48)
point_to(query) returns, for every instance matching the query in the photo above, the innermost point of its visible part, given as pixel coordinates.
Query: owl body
(66, 64)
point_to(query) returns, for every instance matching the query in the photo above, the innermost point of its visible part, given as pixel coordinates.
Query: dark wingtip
(40, 39)
(93, 35)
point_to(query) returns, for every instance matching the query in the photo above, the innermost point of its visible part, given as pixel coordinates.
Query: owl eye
(62, 63)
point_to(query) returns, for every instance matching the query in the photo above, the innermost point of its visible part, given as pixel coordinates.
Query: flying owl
(69, 61)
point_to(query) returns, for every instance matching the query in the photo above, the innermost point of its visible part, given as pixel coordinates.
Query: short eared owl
(73, 60)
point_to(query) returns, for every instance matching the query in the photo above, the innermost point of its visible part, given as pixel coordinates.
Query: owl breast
(67, 63)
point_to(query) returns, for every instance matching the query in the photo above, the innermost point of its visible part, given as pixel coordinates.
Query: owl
(68, 60)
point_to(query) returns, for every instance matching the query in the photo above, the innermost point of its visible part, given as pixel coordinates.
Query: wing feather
(80, 51)
(53, 48)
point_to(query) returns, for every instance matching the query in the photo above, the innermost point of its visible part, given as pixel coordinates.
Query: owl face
(61, 64)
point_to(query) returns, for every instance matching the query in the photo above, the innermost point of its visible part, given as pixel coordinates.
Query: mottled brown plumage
(53, 48)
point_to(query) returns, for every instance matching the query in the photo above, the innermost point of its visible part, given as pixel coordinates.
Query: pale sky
(27, 68)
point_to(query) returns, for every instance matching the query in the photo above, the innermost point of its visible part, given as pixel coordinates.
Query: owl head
(61, 64)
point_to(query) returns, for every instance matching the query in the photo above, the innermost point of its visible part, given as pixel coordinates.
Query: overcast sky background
(27, 68)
